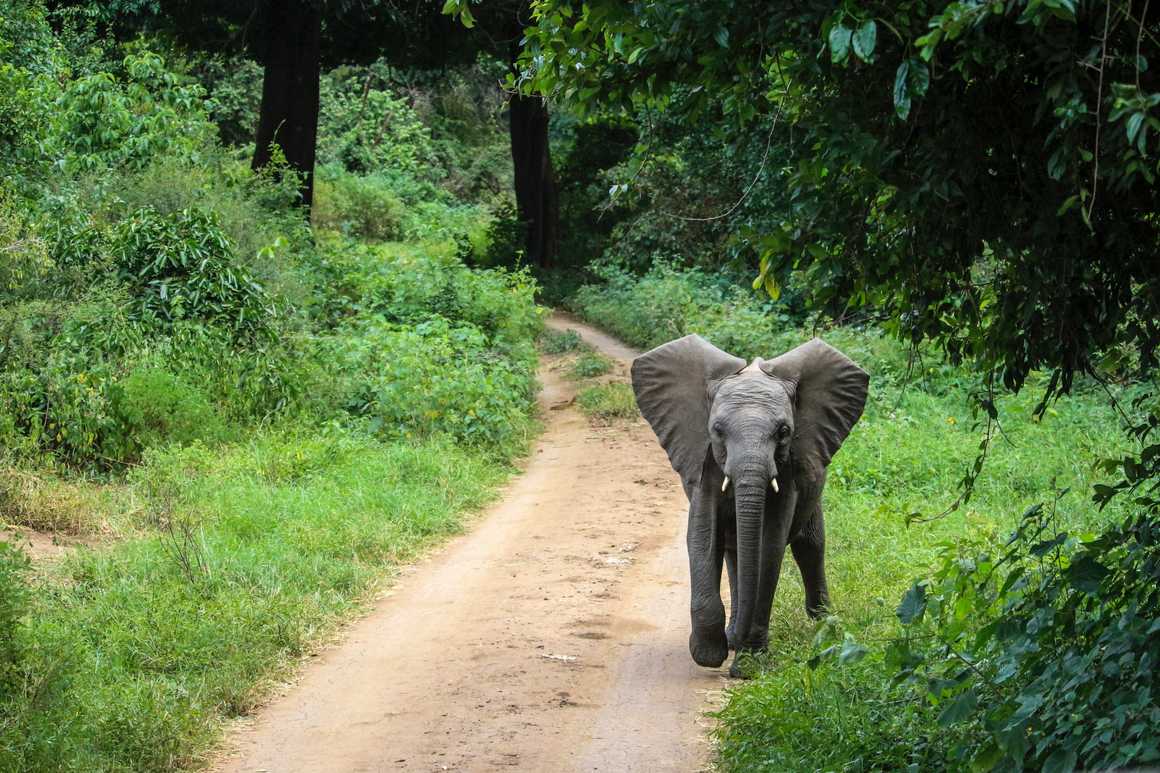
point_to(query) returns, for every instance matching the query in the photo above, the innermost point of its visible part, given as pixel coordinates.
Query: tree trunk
(535, 182)
(293, 63)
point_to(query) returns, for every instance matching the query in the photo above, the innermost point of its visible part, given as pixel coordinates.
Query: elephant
(751, 444)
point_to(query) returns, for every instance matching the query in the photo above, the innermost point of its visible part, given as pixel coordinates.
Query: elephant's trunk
(751, 487)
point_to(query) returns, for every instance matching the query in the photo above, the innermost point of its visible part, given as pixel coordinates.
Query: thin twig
(1139, 37)
(1099, 115)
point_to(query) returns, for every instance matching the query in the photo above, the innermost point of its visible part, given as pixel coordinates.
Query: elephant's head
(765, 430)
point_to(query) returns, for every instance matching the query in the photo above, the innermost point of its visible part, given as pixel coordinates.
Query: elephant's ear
(830, 393)
(671, 383)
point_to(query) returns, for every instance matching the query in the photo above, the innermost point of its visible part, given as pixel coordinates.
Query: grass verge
(134, 655)
(613, 400)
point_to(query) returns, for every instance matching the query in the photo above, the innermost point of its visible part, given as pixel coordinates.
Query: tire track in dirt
(551, 637)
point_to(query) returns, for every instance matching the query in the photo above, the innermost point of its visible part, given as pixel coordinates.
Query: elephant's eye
(717, 428)
(783, 432)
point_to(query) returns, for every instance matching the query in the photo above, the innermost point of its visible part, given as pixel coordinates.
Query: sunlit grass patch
(608, 401)
(560, 341)
(590, 365)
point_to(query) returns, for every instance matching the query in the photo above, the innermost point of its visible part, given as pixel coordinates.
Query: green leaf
(958, 709)
(722, 37)
(466, 17)
(1133, 126)
(1086, 573)
(919, 78)
(852, 651)
(901, 91)
(913, 604)
(1060, 761)
(1045, 546)
(840, 43)
(865, 39)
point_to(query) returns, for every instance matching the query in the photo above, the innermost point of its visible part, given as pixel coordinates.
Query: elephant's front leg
(809, 550)
(729, 540)
(707, 642)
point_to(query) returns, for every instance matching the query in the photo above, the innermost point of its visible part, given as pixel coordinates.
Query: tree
(293, 40)
(499, 30)
(292, 56)
(983, 174)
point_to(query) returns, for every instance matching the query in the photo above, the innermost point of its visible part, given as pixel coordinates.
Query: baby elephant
(751, 444)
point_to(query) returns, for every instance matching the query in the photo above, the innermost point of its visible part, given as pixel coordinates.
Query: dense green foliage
(1041, 652)
(255, 418)
(1017, 232)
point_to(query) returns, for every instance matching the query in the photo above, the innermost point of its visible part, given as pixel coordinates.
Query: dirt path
(551, 637)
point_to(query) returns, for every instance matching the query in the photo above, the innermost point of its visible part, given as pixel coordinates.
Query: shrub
(182, 266)
(357, 206)
(410, 284)
(432, 379)
(252, 210)
(152, 407)
(1042, 652)
(99, 120)
(560, 341)
(25, 267)
(365, 130)
(590, 365)
(614, 400)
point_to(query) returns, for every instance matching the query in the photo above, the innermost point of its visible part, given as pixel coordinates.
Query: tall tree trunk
(536, 195)
(293, 63)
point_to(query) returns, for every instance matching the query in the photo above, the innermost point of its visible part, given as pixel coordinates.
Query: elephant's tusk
(773, 481)
(725, 484)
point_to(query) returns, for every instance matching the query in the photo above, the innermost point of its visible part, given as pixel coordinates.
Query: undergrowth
(252, 420)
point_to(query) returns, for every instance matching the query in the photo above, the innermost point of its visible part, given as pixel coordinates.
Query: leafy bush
(560, 341)
(408, 284)
(182, 267)
(434, 378)
(357, 206)
(614, 400)
(590, 365)
(100, 121)
(1042, 652)
(153, 407)
(369, 130)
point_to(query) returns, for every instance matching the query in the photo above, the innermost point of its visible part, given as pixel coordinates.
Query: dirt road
(552, 637)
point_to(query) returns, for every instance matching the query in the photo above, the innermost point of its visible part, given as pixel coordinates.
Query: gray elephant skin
(751, 444)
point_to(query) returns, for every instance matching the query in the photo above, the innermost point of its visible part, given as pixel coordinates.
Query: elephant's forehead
(753, 385)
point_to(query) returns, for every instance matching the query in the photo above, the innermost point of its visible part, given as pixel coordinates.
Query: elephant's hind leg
(809, 551)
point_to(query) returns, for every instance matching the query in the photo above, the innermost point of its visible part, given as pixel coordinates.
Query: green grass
(608, 401)
(560, 342)
(907, 455)
(134, 655)
(590, 365)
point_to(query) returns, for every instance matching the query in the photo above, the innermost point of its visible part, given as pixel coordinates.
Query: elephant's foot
(709, 648)
(818, 612)
(818, 608)
(758, 641)
(731, 636)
